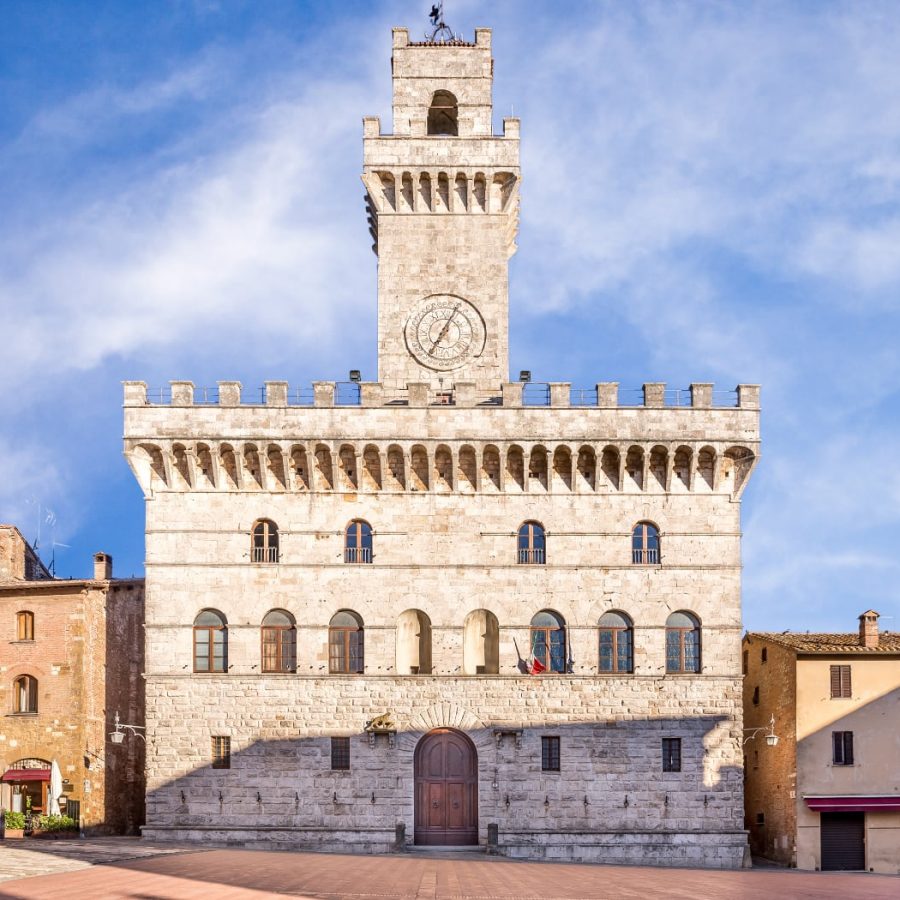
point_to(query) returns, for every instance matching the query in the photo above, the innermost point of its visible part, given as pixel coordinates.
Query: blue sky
(710, 193)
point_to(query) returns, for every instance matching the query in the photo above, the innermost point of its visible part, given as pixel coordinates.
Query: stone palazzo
(445, 607)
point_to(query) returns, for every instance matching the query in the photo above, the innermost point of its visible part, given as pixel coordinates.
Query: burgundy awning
(884, 803)
(26, 775)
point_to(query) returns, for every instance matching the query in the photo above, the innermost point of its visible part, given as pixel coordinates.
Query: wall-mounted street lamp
(122, 728)
(525, 376)
(355, 376)
(771, 737)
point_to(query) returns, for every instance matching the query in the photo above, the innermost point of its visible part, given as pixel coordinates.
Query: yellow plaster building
(827, 796)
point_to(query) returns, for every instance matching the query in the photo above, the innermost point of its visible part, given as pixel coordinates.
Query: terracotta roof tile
(888, 642)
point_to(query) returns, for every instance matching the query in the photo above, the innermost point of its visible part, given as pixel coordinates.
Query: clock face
(445, 332)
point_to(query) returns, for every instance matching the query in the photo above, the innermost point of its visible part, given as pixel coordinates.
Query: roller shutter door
(843, 841)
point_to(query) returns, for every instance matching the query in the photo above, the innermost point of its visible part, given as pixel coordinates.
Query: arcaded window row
(531, 543)
(549, 650)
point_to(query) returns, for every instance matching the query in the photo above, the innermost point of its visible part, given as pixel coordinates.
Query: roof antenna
(441, 33)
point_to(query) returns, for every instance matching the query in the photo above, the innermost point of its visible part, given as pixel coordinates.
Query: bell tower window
(443, 114)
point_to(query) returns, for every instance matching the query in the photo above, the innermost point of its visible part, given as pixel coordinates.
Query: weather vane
(441, 33)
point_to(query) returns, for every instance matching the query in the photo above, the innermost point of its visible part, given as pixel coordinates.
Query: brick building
(446, 607)
(71, 655)
(828, 795)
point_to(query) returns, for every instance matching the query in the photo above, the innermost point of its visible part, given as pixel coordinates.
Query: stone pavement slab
(26, 858)
(133, 872)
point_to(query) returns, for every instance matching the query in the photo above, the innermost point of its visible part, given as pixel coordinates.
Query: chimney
(103, 567)
(868, 629)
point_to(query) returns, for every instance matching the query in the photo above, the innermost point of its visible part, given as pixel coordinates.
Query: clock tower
(442, 197)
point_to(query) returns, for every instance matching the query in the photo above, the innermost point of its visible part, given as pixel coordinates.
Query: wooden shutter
(840, 681)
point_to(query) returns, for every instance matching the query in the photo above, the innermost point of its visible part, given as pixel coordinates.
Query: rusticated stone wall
(610, 801)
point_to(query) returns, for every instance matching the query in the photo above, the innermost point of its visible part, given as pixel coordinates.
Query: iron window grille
(671, 754)
(550, 754)
(340, 753)
(221, 752)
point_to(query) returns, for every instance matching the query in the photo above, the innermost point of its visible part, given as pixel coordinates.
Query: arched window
(531, 546)
(443, 114)
(345, 644)
(358, 542)
(265, 542)
(24, 625)
(210, 642)
(645, 544)
(616, 643)
(25, 694)
(413, 643)
(548, 642)
(481, 643)
(279, 642)
(682, 643)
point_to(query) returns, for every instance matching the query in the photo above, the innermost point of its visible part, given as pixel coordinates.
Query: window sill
(23, 715)
(23, 641)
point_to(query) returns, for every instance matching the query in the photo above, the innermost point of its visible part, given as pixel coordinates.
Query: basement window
(221, 752)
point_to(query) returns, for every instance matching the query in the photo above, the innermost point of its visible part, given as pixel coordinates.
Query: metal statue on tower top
(441, 33)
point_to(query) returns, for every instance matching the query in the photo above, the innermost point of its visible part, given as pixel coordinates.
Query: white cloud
(249, 236)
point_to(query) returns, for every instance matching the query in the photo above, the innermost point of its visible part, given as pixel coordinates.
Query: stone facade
(85, 651)
(445, 459)
(790, 787)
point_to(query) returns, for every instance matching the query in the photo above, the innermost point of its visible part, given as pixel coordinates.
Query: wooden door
(446, 786)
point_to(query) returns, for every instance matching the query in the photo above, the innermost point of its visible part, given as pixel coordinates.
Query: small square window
(221, 752)
(340, 753)
(842, 748)
(549, 754)
(760, 818)
(764, 654)
(671, 750)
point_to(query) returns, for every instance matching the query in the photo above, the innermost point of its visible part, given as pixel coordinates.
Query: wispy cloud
(712, 191)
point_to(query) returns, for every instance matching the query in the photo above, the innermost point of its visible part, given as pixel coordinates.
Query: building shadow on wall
(609, 792)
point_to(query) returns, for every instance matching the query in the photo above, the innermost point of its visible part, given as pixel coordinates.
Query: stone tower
(412, 609)
(442, 195)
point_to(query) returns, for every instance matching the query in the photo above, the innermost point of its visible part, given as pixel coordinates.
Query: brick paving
(185, 873)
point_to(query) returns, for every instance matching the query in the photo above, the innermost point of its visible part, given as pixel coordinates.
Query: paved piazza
(129, 868)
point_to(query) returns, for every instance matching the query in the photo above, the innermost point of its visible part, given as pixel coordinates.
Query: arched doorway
(446, 785)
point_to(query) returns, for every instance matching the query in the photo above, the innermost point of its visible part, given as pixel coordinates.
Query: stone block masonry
(382, 563)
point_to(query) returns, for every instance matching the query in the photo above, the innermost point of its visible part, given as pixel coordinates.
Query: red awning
(26, 775)
(885, 803)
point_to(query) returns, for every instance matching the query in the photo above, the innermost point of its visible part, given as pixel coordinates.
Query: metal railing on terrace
(607, 395)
